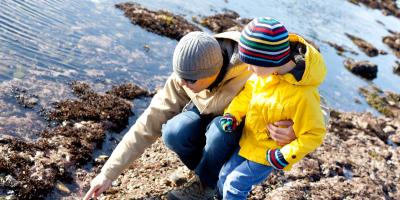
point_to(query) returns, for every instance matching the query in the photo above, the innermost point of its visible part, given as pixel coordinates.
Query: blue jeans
(200, 143)
(238, 175)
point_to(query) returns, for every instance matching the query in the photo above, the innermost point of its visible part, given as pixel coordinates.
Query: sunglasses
(190, 81)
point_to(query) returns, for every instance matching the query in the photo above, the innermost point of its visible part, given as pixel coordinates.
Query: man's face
(200, 84)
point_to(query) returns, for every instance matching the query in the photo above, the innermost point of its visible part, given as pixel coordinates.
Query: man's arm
(165, 104)
(239, 105)
(282, 131)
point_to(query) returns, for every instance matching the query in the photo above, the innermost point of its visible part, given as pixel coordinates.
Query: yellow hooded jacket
(282, 97)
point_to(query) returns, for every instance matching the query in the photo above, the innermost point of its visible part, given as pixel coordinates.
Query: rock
(389, 130)
(393, 41)
(160, 22)
(364, 69)
(116, 183)
(340, 49)
(363, 45)
(60, 186)
(8, 197)
(92, 106)
(382, 52)
(128, 91)
(388, 7)
(34, 168)
(387, 103)
(396, 68)
(24, 98)
(227, 21)
(101, 159)
(395, 138)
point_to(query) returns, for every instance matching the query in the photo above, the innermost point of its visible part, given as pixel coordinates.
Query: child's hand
(228, 123)
(276, 159)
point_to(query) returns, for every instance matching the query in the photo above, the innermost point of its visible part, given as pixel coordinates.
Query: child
(287, 72)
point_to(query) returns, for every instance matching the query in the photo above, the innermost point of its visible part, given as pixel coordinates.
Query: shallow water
(47, 44)
(44, 45)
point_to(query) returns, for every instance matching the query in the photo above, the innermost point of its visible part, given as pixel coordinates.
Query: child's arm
(237, 109)
(309, 127)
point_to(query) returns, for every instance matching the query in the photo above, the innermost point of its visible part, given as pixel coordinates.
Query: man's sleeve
(239, 105)
(167, 103)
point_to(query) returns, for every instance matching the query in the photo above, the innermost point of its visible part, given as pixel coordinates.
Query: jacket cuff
(276, 159)
(110, 174)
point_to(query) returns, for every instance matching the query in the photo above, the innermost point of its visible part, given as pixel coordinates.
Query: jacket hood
(310, 66)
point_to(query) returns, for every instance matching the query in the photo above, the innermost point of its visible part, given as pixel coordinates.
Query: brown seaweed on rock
(227, 21)
(393, 41)
(387, 103)
(128, 91)
(340, 49)
(363, 45)
(355, 161)
(160, 22)
(24, 98)
(388, 7)
(31, 169)
(364, 68)
(396, 68)
(92, 106)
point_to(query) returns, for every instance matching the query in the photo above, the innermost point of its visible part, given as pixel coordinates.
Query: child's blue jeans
(238, 175)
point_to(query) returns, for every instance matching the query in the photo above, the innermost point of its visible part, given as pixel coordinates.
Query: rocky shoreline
(359, 158)
(31, 169)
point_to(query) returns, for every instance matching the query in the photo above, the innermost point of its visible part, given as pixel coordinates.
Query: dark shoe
(194, 190)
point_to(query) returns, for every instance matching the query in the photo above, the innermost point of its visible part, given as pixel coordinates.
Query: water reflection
(44, 45)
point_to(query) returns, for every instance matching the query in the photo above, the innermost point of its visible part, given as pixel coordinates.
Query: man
(207, 74)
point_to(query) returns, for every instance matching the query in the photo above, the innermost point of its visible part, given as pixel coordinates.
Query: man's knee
(180, 128)
(215, 133)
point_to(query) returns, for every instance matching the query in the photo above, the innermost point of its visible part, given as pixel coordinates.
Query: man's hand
(282, 132)
(98, 185)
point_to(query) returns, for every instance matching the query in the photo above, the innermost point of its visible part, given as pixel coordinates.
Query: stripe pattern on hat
(264, 42)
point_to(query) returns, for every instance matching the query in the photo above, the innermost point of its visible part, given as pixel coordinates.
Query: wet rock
(395, 138)
(393, 41)
(227, 21)
(396, 68)
(60, 186)
(128, 91)
(388, 7)
(387, 103)
(354, 162)
(93, 107)
(382, 52)
(364, 69)
(363, 45)
(8, 197)
(160, 22)
(24, 98)
(340, 49)
(100, 160)
(33, 168)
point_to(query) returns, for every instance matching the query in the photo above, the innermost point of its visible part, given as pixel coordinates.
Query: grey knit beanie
(197, 55)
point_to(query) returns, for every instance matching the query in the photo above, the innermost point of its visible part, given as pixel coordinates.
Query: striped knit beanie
(264, 42)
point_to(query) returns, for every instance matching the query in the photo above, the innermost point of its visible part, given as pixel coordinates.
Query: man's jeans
(200, 143)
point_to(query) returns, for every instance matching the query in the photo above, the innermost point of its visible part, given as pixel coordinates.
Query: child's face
(262, 71)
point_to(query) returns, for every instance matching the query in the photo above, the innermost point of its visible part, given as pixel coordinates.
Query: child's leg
(234, 161)
(239, 182)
